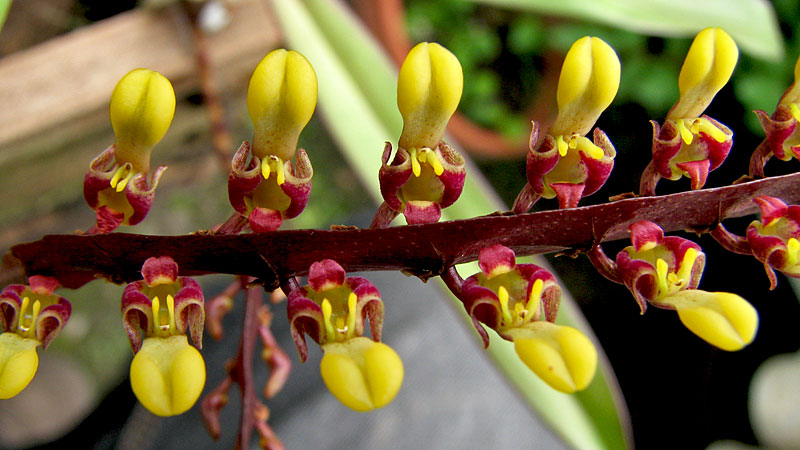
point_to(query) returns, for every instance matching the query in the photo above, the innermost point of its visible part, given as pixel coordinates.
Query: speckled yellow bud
(707, 68)
(281, 98)
(588, 83)
(362, 374)
(428, 91)
(167, 375)
(142, 107)
(18, 363)
(722, 319)
(561, 356)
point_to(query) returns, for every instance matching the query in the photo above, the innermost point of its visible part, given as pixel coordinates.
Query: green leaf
(5, 5)
(357, 95)
(751, 23)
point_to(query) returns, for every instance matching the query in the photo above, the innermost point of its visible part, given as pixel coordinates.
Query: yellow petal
(561, 356)
(167, 375)
(18, 363)
(428, 91)
(707, 68)
(281, 98)
(722, 319)
(588, 83)
(362, 374)
(142, 106)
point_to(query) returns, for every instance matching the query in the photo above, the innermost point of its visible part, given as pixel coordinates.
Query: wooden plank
(72, 76)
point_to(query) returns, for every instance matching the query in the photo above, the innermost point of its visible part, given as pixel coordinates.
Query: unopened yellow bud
(167, 375)
(281, 99)
(18, 363)
(142, 107)
(362, 374)
(561, 356)
(428, 91)
(588, 82)
(722, 319)
(707, 68)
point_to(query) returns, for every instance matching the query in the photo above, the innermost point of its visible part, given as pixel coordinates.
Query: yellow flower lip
(18, 363)
(707, 68)
(429, 89)
(167, 375)
(281, 99)
(362, 374)
(722, 319)
(561, 356)
(141, 110)
(588, 83)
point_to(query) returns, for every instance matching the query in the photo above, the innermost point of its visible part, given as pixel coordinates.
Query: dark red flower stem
(605, 265)
(731, 242)
(422, 250)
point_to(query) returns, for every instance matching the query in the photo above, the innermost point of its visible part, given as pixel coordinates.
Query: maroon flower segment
(571, 173)
(781, 131)
(673, 157)
(178, 302)
(638, 264)
(421, 182)
(499, 296)
(125, 203)
(34, 306)
(332, 307)
(268, 195)
(774, 239)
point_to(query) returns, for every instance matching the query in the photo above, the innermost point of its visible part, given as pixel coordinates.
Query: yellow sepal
(167, 375)
(429, 88)
(362, 374)
(281, 98)
(142, 107)
(18, 363)
(561, 356)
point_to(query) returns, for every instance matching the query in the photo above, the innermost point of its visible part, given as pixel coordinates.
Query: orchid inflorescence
(270, 182)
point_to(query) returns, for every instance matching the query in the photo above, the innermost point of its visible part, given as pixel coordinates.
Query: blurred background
(59, 61)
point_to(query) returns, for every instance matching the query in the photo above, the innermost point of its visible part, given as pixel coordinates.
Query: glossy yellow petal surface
(281, 99)
(588, 83)
(142, 107)
(18, 363)
(167, 375)
(561, 356)
(722, 319)
(707, 68)
(362, 374)
(428, 91)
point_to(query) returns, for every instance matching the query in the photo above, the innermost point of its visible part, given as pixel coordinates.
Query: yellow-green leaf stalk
(142, 107)
(281, 98)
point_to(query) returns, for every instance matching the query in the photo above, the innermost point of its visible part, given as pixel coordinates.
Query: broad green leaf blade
(751, 23)
(357, 95)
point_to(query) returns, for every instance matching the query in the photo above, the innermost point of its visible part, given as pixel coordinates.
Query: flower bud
(18, 363)
(428, 91)
(588, 82)
(362, 374)
(281, 99)
(142, 107)
(707, 68)
(561, 356)
(167, 375)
